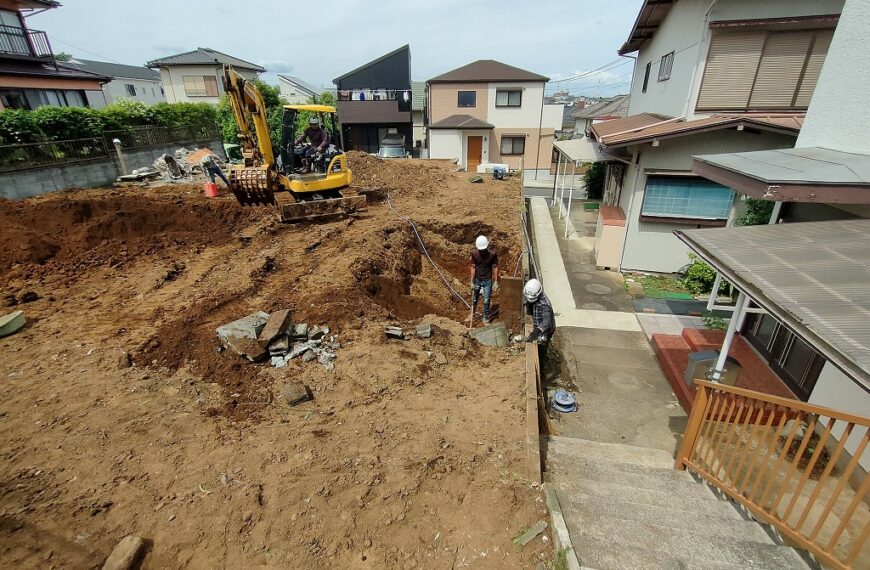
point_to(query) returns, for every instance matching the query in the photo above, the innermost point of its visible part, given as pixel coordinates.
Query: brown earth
(398, 462)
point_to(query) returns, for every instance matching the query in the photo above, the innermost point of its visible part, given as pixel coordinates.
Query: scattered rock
(280, 345)
(424, 331)
(247, 347)
(248, 516)
(531, 533)
(276, 325)
(368, 543)
(394, 332)
(298, 331)
(317, 333)
(296, 393)
(299, 349)
(278, 361)
(309, 355)
(28, 297)
(126, 554)
(440, 359)
(124, 360)
(478, 179)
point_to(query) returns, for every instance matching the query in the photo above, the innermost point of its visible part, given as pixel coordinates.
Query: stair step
(591, 509)
(613, 452)
(654, 479)
(692, 548)
(588, 489)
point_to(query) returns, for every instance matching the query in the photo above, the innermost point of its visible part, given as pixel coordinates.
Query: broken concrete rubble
(296, 393)
(246, 347)
(298, 331)
(276, 325)
(246, 327)
(491, 335)
(280, 345)
(424, 330)
(394, 332)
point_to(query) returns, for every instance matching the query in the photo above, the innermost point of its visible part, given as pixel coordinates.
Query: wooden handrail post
(693, 427)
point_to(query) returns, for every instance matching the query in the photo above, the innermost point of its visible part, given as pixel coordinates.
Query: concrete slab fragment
(276, 325)
(246, 327)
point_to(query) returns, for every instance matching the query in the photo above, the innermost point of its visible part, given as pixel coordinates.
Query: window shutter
(731, 64)
(779, 72)
(814, 67)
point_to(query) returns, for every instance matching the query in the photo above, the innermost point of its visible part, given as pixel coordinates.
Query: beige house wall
(443, 99)
(536, 156)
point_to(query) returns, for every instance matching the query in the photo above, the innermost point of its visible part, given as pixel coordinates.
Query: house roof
(461, 122)
(795, 174)
(648, 127)
(418, 95)
(44, 4)
(367, 112)
(204, 56)
(611, 109)
(486, 70)
(299, 83)
(405, 47)
(810, 276)
(114, 69)
(42, 69)
(652, 14)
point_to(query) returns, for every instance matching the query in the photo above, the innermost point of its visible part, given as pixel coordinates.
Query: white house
(132, 82)
(490, 112)
(727, 76)
(197, 76)
(294, 90)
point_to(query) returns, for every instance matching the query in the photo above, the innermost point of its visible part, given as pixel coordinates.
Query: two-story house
(726, 76)
(374, 100)
(128, 82)
(491, 112)
(295, 90)
(197, 76)
(29, 75)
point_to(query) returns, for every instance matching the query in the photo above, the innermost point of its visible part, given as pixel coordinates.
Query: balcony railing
(24, 43)
(795, 466)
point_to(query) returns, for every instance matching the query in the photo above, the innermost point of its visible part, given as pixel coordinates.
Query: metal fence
(36, 155)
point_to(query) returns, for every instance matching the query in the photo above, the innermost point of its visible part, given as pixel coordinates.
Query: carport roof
(812, 277)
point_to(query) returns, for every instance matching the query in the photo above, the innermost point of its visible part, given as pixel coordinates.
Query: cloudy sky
(557, 38)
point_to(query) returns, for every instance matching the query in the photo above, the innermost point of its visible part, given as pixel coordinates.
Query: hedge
(66, 123)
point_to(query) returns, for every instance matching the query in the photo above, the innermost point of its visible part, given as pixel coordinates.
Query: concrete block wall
(91, 174)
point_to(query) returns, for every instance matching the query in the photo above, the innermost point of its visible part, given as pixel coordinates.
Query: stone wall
(90, 174)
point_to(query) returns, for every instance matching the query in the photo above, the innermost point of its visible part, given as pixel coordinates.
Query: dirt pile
(408, 456)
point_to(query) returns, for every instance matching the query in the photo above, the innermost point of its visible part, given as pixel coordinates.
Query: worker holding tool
(484, 276)
(543, 319)
(211, 169)
(318, 139)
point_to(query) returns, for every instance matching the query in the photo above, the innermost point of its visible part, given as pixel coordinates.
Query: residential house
(375, 100)
(728, 76)
(296, 91)
(197, 76)
(585, 117)
(29, 75)
(491, 112)
(418, 113)
(130, 82)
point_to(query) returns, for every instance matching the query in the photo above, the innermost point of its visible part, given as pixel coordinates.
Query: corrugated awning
(794, 175)
(812, 277)
(583, 150)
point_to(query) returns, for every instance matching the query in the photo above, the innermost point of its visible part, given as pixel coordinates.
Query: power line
(606, 67)
(54, 39)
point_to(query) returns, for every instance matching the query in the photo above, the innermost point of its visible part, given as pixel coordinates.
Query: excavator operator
(319, 140)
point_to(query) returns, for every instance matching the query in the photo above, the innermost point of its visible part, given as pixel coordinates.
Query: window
(131, 89)
(13, 39)
(509, 98)
(763, 69)
(646, 77)
(75, 98)
(13, 99)
(200, 86)
(685, 197)
(467, 99)
(665, 66)
(513, 145)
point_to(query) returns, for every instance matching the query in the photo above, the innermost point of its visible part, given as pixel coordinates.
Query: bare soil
(398, 462)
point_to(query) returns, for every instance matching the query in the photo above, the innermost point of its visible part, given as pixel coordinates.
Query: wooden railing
(795, 466)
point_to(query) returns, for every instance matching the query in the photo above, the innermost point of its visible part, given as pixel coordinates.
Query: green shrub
(17, 126)
(65, 123)
(757, 212)
(699, 276)
(713, 321)
(594, 179)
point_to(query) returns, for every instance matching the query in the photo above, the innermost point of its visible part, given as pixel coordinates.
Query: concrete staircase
(626, 507)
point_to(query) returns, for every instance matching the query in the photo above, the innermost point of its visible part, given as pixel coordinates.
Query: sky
(556, 38)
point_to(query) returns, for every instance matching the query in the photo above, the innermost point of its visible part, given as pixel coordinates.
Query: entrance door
(475, 153)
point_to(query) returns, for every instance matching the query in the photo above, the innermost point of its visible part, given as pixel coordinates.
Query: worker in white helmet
(484, 275)
(538, 305)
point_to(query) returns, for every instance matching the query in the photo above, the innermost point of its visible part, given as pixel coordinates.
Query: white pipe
(774, 215)
(714, 292)
(562, 188)
(570, 197)
(636, 163)
(716, 373)
(556, 179)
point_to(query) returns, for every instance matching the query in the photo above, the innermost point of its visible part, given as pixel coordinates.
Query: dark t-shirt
(316, 135)
(483, 262)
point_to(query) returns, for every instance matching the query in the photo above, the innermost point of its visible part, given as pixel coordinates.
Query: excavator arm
(249, 108)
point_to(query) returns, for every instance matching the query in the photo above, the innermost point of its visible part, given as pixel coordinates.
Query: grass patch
(661, 287)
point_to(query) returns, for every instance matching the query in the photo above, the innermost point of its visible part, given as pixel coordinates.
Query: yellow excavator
(300, 184)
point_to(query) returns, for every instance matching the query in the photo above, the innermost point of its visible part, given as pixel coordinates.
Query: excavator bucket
(291, 210)
(251, 186)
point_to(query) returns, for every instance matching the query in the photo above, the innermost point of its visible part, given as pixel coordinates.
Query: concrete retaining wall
(91, 174)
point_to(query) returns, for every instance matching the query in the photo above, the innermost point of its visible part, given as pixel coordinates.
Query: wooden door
(475, 153)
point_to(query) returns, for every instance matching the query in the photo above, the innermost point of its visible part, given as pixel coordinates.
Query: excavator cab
(264, 179)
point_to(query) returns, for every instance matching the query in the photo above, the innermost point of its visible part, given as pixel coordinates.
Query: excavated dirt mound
(409, 455)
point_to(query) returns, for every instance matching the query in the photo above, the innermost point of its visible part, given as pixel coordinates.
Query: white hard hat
(532, 290)
(313, 121)
(481, 243)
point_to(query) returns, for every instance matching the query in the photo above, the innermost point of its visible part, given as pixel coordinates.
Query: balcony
(24, 44)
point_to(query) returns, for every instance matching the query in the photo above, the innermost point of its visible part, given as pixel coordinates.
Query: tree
(274, 108)
(63, 56)
(594, 179)
(757, 212)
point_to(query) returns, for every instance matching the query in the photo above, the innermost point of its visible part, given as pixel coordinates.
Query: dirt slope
(398, 462)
